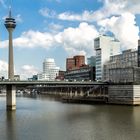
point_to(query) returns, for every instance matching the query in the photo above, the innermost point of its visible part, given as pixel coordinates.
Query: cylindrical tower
(10, 25)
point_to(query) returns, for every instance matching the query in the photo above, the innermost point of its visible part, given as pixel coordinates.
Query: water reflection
(11, 125)
(43, 118)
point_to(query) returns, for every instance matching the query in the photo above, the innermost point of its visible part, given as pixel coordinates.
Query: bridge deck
(48, 83)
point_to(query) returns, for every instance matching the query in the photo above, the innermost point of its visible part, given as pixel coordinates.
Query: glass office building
(105, 46)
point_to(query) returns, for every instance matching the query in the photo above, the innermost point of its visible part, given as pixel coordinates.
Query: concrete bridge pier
(81, 92)
(75, 94)
(11, 97)
(71, 93)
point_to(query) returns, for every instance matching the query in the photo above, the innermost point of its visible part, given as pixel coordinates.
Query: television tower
(10, 25)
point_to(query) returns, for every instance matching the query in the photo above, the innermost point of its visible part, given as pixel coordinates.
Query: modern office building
(105, 46)
(75, 62)
(124, 75)
(91, 61)
(85, 73)
(50, 71)
(123, 67)
(127, 58)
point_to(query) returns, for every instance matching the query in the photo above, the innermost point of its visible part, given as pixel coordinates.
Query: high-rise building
(105, 46)
(50, 71)
(91, 61)
(138, 53)
(75, 63)
(79, 60)
(70, 64)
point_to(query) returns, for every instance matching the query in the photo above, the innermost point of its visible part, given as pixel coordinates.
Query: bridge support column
(75, 94)
(71, 94)
(81, 92)
(11, 97)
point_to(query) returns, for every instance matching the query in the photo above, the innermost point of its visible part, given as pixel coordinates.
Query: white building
(50, 71)
(105, 46)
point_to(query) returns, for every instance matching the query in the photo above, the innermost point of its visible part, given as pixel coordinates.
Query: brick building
(75, 63)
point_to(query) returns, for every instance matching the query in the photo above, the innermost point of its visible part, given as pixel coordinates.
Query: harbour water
(44, 118)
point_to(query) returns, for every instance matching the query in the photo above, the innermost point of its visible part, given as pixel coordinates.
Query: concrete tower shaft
(10, 25)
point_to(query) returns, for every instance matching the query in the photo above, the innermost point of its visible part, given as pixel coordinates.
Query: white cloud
(18, 18)
(54, 28)
(3, 68)
(109, 8)
(27, 71)
(33, 39)
(85, 16)
(69, 16)
(124, 28)
(117, 7)
(73, 40)
(118, 17)
(127, 5)
(46, 12)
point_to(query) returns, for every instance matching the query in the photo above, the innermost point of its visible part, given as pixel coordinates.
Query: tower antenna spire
(10, 8)
(10, 13)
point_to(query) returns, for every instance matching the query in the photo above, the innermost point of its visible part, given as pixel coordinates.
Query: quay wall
(124, 94)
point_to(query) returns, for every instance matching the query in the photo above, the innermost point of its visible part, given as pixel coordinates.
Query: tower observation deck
(10, 22)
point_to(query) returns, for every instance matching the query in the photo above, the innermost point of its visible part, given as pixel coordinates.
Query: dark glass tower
(10, 25)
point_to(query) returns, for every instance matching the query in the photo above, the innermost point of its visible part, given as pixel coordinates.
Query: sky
(63, 28)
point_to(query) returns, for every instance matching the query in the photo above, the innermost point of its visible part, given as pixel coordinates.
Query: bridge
(62, 87)
(27, 82)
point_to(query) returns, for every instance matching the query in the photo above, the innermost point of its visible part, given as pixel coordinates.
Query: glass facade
(105, 46)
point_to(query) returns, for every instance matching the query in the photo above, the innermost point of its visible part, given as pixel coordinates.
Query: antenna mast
(10, 8)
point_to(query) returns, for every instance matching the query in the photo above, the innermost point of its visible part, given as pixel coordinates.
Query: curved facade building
(50, 71)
